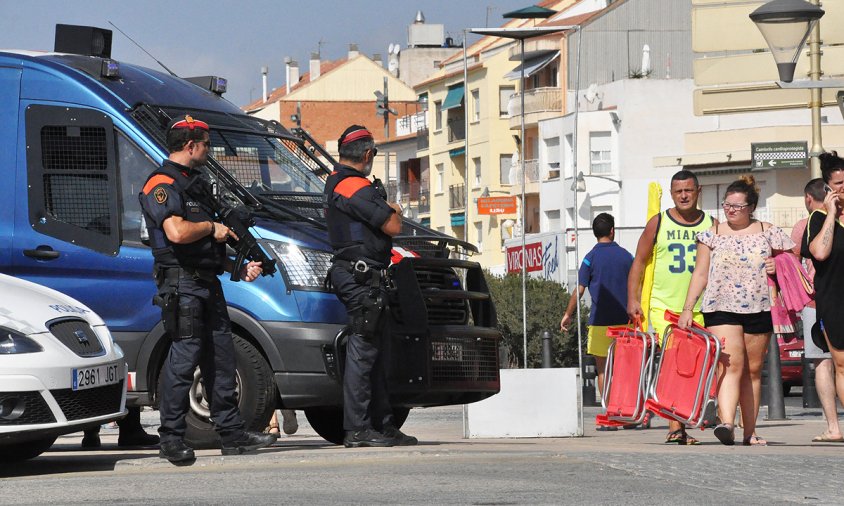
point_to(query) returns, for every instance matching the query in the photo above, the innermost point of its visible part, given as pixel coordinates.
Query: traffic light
(382, 105)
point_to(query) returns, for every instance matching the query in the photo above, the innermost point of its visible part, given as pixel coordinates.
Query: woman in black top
(823, 243)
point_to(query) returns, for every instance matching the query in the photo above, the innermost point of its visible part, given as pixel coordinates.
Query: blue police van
(80, 134)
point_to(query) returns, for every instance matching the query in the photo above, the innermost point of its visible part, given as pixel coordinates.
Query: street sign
(779, 155)
(496, 205)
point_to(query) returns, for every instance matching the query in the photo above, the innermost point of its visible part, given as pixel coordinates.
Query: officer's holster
(365, 321)
(182, 316)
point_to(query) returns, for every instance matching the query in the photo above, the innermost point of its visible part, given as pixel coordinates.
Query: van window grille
(75, 182)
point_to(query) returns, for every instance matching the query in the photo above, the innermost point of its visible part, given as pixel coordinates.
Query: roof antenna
(144, 50)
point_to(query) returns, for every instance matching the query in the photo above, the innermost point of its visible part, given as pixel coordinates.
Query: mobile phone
(826, 188)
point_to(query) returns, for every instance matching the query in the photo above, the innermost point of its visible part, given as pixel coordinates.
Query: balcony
(532, 178)
(409, 191)
(424, 205)
(540, 103)
(422, 139)
(456, 129)
(456, 196)
(412, 123)
(533, 48)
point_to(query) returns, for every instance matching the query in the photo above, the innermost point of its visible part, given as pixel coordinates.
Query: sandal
(827, 438)
(271, 429)
(754, 440)
(725, 433)
(679, 437)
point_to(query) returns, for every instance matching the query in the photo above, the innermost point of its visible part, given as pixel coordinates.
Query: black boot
(91, 439)
(132, 432)
(177, 452)
(247, 442)
(366, 438)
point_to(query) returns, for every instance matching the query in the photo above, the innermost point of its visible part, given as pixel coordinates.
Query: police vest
(352, 238)
(204, 253)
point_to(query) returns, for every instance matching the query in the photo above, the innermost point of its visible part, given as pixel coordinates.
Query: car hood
(27, 307)
(300, 233)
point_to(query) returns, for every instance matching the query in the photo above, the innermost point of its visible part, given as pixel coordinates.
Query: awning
(454, 98)
(532, 66)
(458, 220)
(457, 152)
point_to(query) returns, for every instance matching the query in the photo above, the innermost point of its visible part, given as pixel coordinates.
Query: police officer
(189, 251)
(361, 225)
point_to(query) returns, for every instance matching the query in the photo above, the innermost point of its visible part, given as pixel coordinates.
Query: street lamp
(579, 184)
(785, 25)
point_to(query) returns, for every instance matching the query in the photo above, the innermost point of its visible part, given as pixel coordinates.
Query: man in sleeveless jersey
(672, 234)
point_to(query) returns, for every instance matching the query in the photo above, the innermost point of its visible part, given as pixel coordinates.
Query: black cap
(354, 133)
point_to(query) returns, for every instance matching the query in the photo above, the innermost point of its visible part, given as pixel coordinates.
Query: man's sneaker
(137, 439)
(177, 452)
(399, 438)
(289, 423)
(366, 437)
(248, 442)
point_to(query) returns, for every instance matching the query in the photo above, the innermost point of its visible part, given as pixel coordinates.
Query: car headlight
(303, 268)
(13, 342)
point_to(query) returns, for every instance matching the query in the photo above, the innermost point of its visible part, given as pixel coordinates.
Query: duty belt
(363, 272)
(173, 273)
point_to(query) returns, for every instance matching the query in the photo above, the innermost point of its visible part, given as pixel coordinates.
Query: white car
(60, 370)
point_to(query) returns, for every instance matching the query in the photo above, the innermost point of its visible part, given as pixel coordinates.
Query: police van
(80, 135)
(60, 370)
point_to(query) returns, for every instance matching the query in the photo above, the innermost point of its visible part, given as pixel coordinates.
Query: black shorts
(752, 323)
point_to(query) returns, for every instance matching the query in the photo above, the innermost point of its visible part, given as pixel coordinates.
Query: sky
(234, 39)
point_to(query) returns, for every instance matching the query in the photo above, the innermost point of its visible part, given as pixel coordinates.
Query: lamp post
(521, 34)
(785, 25)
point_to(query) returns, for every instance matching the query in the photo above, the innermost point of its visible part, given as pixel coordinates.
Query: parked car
(60, 370)
(791, 356)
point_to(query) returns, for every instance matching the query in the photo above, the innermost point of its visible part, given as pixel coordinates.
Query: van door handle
(42, 253)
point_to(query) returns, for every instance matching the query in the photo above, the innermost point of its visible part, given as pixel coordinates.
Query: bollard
(590, 372)
(810, 393)
(546, 350)
(776, 403)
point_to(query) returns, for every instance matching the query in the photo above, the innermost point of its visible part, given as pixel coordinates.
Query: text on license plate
(447, 351)
(795, 353)
(91, 377)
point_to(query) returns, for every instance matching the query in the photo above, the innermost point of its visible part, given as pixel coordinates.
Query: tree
(546, 302)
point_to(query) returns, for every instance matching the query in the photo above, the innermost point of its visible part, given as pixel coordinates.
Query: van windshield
(263, 157)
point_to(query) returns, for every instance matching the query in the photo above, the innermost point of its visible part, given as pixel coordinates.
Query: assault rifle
(238, 219)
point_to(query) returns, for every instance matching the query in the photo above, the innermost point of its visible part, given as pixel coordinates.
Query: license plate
(92, 377)
(795, 353)
(447, 351)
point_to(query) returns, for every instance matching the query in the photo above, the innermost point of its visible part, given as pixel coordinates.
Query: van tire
(256, 397)
(327, 421)
(17, 452)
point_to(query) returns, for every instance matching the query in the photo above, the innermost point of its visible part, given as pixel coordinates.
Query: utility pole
(382, 108)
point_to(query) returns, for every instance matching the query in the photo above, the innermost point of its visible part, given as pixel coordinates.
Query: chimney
(292, 74)
(264, 71)
(314, 66)
(353, 51)
(420, 18)
(376, 57)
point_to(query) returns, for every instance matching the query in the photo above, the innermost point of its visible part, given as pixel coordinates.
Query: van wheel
(26, 450)
(256, 393)
(328, 421)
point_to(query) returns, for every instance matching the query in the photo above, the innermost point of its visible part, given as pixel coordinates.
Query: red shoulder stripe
(350, 186)
(155, 181)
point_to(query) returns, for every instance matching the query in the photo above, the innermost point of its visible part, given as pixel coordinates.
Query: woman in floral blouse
(733, 262)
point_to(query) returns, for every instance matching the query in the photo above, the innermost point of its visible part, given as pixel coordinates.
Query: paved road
(628, 467)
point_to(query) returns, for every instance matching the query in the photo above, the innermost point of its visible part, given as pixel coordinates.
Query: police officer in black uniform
(361, 225)
(189, 251)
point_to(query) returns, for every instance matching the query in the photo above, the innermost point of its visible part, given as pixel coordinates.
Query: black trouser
(366, 403)
(212, 349)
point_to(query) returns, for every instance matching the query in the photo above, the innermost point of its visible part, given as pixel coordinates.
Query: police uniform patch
(160, 195)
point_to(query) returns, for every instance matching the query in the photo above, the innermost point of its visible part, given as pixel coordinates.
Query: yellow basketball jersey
(676, 252)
